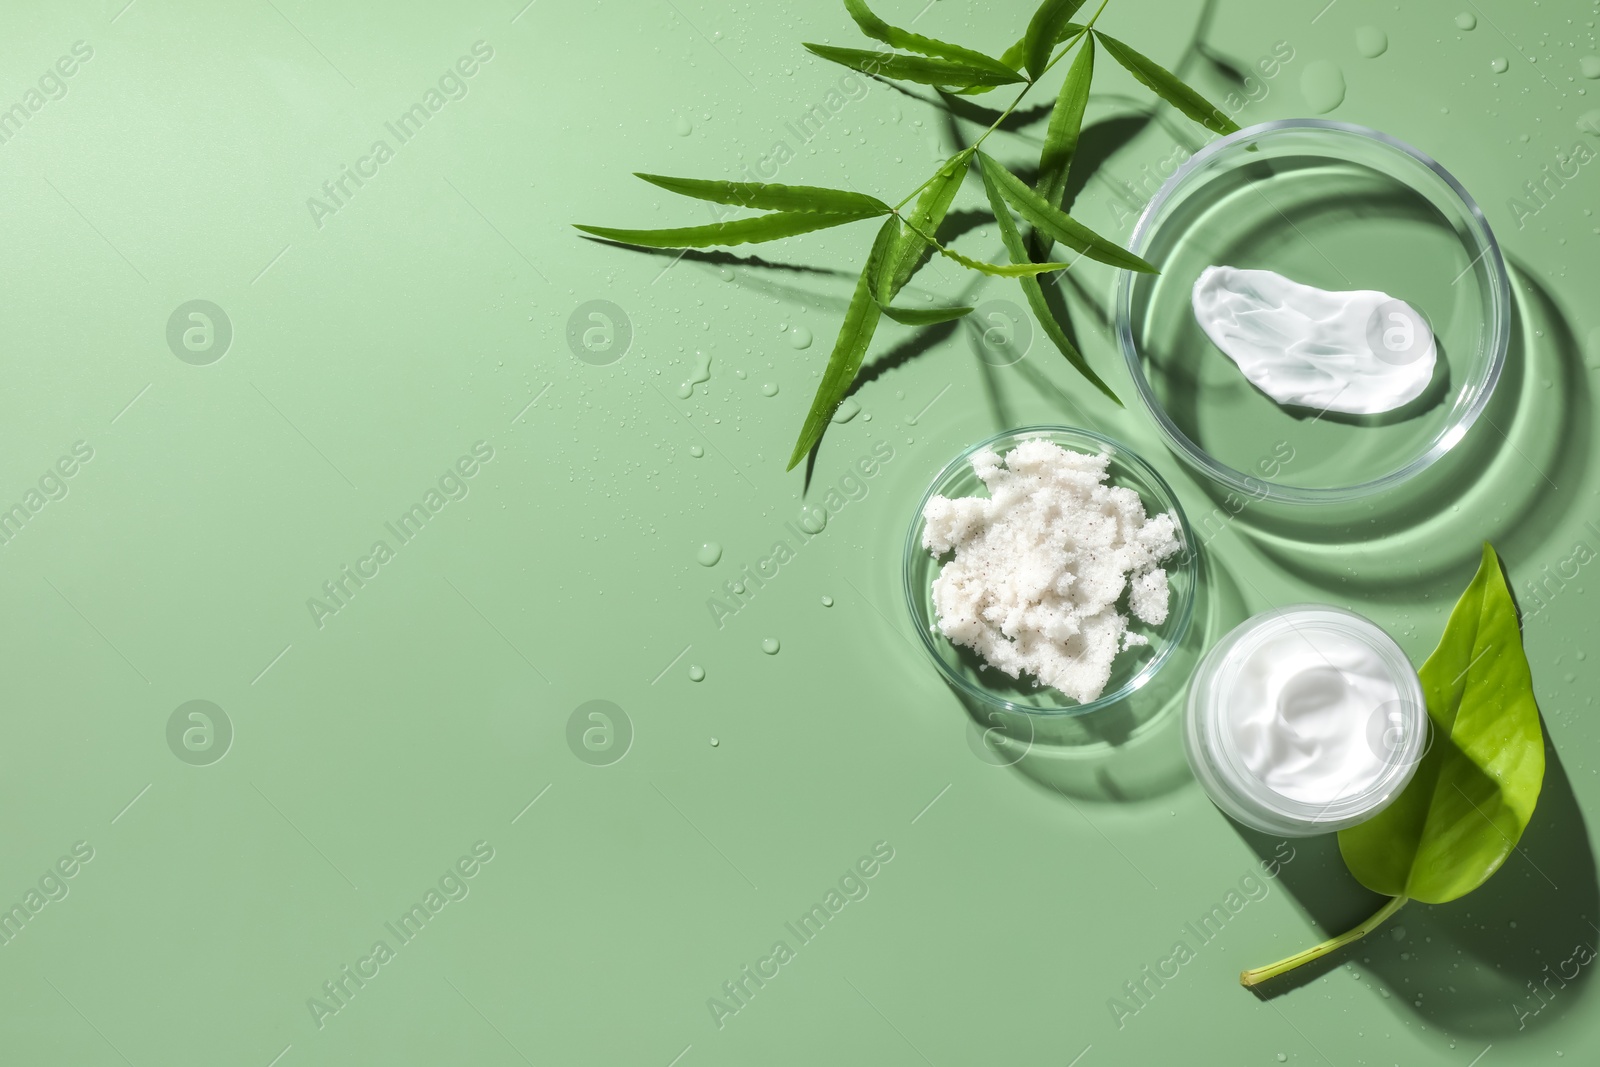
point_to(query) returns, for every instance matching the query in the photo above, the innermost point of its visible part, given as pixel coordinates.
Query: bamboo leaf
(771, 227)
(925, 218)
(1057, 224)
(771, 197)
(1044, 31)
(1167, 86)
(895, 37)
(923, 316)
(1012, 238)
(999, 270)
(860, 322)
(1066, 123)
(1014, 56)
(920, 69)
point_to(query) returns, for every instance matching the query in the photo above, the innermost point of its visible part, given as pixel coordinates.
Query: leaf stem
(1067, 47)
(1250, 979)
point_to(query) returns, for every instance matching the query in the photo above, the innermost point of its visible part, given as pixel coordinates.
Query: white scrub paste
(1359, 352)
(1301, 714)
(1041, 564)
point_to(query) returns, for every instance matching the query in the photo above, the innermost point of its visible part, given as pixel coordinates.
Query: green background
(374, 346)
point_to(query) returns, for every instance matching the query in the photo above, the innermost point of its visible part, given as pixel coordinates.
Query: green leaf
(1014, 56)
(1000, 270)
(923, 316)
(895, 37)
(860, 322)
(1031, 288)
(770, 197)
(918, 69)
(1057, 224)
(1475, 789)
(1066, 123)
(771, 227)
(926, 218)
(1044, 31)
(1167, 86)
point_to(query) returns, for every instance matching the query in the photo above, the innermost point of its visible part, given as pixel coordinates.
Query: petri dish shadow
(1501, 483)
(1128, 752)
(1499, 962)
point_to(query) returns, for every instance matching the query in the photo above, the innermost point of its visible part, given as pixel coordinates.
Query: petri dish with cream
(1305, 720)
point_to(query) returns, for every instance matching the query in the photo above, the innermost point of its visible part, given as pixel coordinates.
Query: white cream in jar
(1304, 720)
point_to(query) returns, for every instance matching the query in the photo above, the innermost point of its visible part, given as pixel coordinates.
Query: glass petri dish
(1338, 207)
(1134, 668)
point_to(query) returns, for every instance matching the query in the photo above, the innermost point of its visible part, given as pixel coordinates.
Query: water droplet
(1398, 933)
(770, 645)
(1467, 20)
(847, 410)
(708, 555)
(1371, 41)
(1498, 65)
(696, 451)
(702, 373)
(715, 742)
(800, 337)
(1283, 1057)
(697, 673)
(769, 388)
(1589, 66)
(683, 127)
(1322, 84)
(827, 601)
(725, 274)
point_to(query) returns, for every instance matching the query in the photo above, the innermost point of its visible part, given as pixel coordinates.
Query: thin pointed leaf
(770, 197)
(1000, 270)
(1044, 31)
(1013, 57)
(919, 69)
(855, 334)
(895, 37)
(771, 227)
(1167, 86)
(925, 218)
(923, 316)
(1012, 238)
(1057, 224)
(1066, 123)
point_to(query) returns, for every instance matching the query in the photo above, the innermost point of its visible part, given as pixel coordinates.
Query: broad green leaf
(895, 37)
(771, 227)
(1057, 224)
(926, 218)
(860, 322)
(1066, 123)
(1167, 86)
(1044, 31)
(920, 69)
(923, 316)
(1000, 270)
(1475, 789)
(770, 197)
(1031, 288)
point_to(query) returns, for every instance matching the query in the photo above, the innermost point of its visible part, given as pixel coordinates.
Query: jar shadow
(1512, 957)
(1130, 751)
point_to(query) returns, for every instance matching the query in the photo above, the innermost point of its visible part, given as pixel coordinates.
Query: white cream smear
(1041, 564)
(1301, 714)
(1360, 351)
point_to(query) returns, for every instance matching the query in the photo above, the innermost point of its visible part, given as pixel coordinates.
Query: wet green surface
(424, 338)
